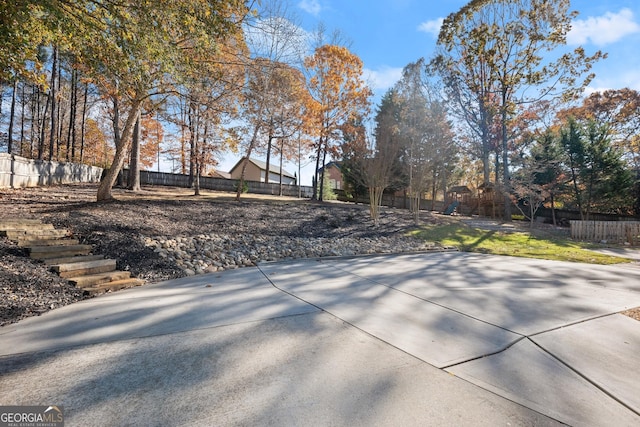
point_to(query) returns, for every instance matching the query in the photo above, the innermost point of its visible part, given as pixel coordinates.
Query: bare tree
(275, 43)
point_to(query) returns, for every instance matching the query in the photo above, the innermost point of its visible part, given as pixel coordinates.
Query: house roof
(338, 165)
(263, 166)
(221, 174)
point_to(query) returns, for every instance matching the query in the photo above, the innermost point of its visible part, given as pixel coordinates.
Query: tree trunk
(315, 174)
(116, 136)
(486, 146)
(71, 134)
(59, 113)
(52, 132)
(373, 206)
(281, 155)
(43, 126)
(134, 162)
(299, 178)
(324, 158)
(505, 162)
(192, 142)
(22, 107)
(84, 118)
(12, 114)
(252, 144)
(268, 165)
(104, 190)
(33, 129)
(199, 156)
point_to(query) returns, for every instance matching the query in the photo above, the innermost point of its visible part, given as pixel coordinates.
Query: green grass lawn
(469, 239)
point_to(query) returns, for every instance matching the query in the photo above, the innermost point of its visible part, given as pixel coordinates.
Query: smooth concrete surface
(605, 350)
(525, 296)
(435, 334)
(528, 375)
(201, 302)
(300, 370)
(343, 342)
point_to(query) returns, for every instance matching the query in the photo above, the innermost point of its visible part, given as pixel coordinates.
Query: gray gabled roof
(275, 169)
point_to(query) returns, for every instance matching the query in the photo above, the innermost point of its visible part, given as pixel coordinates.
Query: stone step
(76, 269)
(79, 258)
(98, 279)
(45, 252)
(28, 242)
(114, 286)
(45, 234)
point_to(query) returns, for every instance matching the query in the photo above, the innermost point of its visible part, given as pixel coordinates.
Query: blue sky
(389, 34)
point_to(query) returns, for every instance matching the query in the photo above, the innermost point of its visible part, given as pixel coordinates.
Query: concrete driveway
(425, 339)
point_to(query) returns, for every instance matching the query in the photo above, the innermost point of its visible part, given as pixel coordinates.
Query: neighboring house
(257, 169)
(334, 175)
(221, 174)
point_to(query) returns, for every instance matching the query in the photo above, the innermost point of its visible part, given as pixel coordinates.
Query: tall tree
(276, 45)
(338, 94)
(129, 55)
(284, 115)
(548, 159)
(619, 110)
(600, 179)
(505, 42)
(429, 148)
(373, 161)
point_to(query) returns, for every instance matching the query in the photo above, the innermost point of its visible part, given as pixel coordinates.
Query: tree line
(500, 103)
(208, 76)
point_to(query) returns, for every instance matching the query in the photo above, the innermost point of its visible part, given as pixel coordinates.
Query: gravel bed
(207, 253)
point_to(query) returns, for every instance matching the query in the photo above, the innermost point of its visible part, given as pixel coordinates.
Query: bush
(327, 191)
(245, 187)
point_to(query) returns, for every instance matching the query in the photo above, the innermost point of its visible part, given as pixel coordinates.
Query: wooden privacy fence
(609, 231)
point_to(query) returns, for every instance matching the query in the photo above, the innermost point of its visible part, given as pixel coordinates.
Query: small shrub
(245, 187)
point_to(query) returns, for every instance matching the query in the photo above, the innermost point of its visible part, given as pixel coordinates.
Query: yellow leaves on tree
(97, 149)
(152, 135)
(338, 94)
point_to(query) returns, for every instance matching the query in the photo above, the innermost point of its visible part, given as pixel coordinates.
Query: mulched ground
(117, 230)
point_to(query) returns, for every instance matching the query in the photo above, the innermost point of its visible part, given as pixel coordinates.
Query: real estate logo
(31, 416)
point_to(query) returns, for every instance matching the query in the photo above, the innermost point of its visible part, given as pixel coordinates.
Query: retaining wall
(19, 172)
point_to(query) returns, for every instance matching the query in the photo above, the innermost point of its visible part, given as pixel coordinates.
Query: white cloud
(606, 81)
(383, 78)
(311, 6)
(431, 27)
(602, 30)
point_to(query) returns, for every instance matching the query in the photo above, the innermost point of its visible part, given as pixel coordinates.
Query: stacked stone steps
(67, 257)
